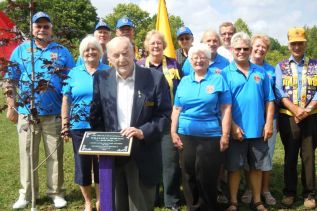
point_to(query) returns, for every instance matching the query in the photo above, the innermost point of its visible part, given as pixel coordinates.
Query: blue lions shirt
(79, 88)
(200, 101)
(51, 66)
(249, 95)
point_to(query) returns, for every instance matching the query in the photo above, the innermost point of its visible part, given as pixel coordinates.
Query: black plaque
(105, 143)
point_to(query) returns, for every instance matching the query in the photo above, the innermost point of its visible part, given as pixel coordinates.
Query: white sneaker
(59, 202)
(20, 204)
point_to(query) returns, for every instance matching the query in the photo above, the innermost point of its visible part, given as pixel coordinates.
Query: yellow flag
(163, 25)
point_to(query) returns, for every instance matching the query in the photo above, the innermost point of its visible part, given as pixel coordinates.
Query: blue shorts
(251, 151)
(84, 164)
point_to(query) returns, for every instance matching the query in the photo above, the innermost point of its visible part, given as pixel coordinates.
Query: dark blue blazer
(151, 113)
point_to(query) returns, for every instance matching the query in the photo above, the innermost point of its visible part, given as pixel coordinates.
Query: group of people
(198, 119)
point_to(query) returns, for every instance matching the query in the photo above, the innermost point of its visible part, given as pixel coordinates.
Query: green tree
(242, 26)
(142, 21)
(140, 18)
(311, 34)
(275, 56)
(71, 19)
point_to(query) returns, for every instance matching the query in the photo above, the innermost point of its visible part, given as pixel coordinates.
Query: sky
(271, 17)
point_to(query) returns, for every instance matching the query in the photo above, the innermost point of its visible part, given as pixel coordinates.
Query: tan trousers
(48, 129)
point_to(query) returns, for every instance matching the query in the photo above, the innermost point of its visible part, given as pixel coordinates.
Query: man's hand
(12, 115)
(224, 142)
(177, 141)
(267, 131)
(300, 114)
(132, 132)
(237, 132)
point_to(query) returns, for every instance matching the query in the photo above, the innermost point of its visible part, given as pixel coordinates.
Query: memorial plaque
(105, 143)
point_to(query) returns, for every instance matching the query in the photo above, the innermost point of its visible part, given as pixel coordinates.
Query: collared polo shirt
(249, 95)
(200, 101)
(219, 62)
(79, 88)
(51, 65)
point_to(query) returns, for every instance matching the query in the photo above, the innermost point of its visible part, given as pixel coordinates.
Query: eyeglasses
(42, 26)
(196, 58)
(239, 49)
(157, 43)
(184, 38)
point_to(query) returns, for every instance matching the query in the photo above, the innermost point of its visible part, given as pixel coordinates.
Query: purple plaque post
(105, 183)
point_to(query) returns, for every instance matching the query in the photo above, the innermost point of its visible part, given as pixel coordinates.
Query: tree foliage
(142, 21)
(140, 18)
(242, 26)
(311, 34)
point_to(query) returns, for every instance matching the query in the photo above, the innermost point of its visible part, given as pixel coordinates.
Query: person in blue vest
(200, 129)
(252, 119)
(77, 97)
(103, 34)
(296, 84)
(212, 39)
(185, 40)
(52, 62)
(260, 46)
(155, 44)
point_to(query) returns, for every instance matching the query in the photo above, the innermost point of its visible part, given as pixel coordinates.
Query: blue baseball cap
(39, 15)
(183, 30)
(124, 21)
(102, 24)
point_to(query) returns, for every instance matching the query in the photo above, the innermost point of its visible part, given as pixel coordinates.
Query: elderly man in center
(252, 119)
(135, 101)
(212, 39)
(155, 44)
(200, 129)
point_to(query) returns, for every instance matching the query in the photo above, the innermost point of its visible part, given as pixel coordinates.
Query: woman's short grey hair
(89, 39)
(240, 36)
(200, 47)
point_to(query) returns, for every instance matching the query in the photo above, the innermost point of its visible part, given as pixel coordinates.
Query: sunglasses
(184, 38)
(239, 49)
(43, 26)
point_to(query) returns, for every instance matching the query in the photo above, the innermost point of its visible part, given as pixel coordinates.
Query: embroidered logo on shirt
(257, 78)
(210, 89)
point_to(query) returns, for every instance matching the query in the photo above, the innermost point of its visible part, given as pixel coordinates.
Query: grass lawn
(9, 174)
